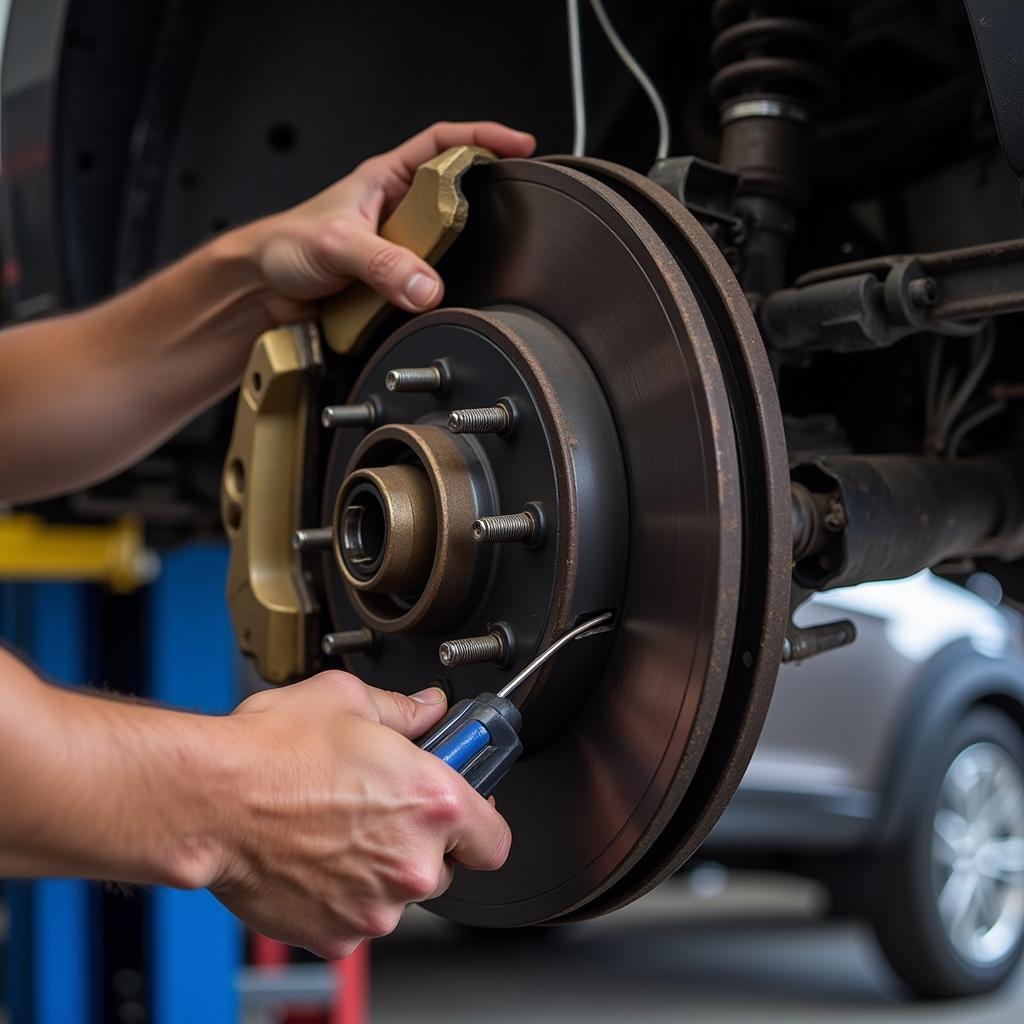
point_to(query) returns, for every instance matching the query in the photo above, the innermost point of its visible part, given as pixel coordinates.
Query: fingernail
(432, 695)
(420, 288)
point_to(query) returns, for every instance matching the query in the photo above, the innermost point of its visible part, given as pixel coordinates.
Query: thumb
(411, 716)
(392, 270)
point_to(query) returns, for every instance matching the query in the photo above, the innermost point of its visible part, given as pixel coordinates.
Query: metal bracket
(873, 303)
(708, 191)
(427, 221)
(803, 642)
(272, 608)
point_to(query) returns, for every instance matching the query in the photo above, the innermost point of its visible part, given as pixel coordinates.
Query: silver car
(893, 771)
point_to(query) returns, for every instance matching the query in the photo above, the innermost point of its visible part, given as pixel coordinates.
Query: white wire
(638, 73)
(579, 104)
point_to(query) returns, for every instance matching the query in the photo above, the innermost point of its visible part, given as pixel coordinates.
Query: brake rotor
(588, 425)
(595, 310)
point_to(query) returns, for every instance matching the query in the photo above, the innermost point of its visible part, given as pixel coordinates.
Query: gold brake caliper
(273, 610)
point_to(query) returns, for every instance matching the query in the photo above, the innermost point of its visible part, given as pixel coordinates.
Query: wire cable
(970, 422)
(931, 401)
(985, 346)
(579, 103)
(636, 71)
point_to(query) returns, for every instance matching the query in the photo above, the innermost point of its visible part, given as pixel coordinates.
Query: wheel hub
(412, 490)
(978, 853)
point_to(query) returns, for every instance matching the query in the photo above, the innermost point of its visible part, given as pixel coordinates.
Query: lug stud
(315, 539)
(496, 419)
(523, 527)
(423, 379)
(362, 415)
(348, 641)
(474, 650)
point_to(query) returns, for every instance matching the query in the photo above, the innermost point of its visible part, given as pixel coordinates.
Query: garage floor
(758, 951)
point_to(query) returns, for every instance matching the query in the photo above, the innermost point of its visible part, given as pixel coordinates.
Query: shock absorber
(774, 62)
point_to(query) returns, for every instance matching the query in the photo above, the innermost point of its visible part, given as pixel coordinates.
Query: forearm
(105, 789)
(87, 394)
(83, 396)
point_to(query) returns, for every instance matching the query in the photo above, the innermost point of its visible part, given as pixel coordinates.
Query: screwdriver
(479, 738)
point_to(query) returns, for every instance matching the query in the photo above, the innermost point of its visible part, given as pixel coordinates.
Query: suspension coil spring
(774, 61)
(780, 51)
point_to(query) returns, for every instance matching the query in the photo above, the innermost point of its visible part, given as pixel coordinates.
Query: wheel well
(1007, 703)
(954, 682)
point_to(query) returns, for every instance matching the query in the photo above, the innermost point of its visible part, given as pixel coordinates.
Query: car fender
(949, 684)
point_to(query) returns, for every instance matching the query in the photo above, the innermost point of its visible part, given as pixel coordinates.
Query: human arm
(307, 811)
(83, 396)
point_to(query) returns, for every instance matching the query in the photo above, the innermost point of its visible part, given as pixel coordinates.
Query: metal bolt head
(923, 291)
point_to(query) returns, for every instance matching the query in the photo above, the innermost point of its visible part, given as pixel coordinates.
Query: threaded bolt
(474, 650)
(348, 641)
(314, 539)
(519, 526)
(496, 419)
(423, 379)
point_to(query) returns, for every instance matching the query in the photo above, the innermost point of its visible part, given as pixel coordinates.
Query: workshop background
(131, 132)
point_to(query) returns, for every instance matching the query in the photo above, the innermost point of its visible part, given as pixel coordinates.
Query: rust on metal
(973, 281)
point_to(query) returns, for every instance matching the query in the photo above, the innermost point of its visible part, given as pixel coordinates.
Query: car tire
(913, 910)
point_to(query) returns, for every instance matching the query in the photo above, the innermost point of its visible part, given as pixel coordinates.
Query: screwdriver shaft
(584, 627)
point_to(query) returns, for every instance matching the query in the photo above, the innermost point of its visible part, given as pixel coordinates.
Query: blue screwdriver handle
(478, 738)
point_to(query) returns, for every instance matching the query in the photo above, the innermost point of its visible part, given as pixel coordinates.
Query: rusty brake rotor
(610, 398)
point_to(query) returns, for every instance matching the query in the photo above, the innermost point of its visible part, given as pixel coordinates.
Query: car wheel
(949, 906)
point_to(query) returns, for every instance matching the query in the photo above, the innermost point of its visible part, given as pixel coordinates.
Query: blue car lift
(194, 946)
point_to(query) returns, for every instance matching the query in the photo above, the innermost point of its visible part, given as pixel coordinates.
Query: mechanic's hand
(341, 821)
(317, 248)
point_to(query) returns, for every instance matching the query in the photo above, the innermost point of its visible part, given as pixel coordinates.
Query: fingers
(480, 837)
(411, 716)
(438, 137)
(393, 271)
(397, 167)
(445, 880)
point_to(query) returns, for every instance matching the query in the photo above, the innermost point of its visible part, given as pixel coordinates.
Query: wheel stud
(523, 527)
(423, 379)
(315, 539)
(474, 650)
(348, 641)
(496, 419)
(362, 415)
